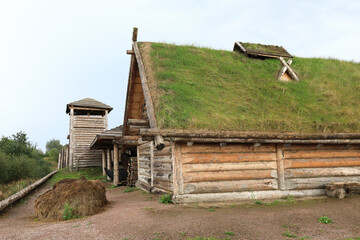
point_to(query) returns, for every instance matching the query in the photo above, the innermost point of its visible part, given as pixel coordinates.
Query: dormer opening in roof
(256, 50)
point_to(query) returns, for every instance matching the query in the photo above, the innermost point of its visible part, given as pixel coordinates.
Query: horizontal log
(315, 183)
(209, 167)
(139, 122)
(251, 195)
(162, 166)
(144, 165)
(165, 176)
(245, 135)
(322, 172)
(163, 184)
(145, 145)
(230, 186)
(346, 183)
(264, 140)
(143, 184)
(222, 158)
(13, 198)
(230, 148)
(320, 154)
(307, 147)
(326, 162)
(228, 175)
(166, 151)
(163, 159)
(144, 158)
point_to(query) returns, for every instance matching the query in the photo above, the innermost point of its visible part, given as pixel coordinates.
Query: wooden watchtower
(88, 118)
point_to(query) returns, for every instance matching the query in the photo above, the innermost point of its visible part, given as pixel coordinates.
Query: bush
(68, 212)
(20, 159)
(13, 168)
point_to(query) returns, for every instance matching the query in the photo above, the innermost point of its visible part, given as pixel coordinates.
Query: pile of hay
(83, 196)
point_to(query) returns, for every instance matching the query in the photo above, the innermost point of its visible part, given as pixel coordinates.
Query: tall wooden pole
(108, 160)
(71, 140)
(116, 165)
(103, 156)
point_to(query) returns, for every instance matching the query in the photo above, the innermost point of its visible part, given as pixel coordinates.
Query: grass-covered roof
(202, 88)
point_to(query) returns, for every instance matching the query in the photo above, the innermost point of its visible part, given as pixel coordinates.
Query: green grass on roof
(265, 49)
(201, 88)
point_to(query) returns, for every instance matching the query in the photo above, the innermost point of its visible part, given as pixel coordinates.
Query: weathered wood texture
(63, 160)
(84, 129)
(211, 168)
(163, 168)
(144, 164)
(155, 166)
(314, 166)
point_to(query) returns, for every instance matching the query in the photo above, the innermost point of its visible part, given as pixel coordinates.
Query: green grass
(88, 173)
(165, 199)
(130, 189)
(289, 234)
(325, 220)
(201, 88)
(14, 187)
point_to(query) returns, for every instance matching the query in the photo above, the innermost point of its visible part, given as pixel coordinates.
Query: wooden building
(88, 118)
(178, 152)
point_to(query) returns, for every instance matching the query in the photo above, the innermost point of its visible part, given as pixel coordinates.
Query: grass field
(202, 88)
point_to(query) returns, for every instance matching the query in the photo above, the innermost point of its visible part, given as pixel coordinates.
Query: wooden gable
(139, 104)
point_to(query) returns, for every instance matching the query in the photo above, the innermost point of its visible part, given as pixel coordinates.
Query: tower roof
(88, 103)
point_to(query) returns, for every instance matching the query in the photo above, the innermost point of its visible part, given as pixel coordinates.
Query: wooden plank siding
(85, 129)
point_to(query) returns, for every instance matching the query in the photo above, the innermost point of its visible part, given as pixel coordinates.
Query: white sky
(56, 52)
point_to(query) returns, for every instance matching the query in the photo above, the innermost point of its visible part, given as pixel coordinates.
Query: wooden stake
(135, 33)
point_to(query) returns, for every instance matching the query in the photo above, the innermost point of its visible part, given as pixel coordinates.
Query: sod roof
(258, 49)
(206, 89)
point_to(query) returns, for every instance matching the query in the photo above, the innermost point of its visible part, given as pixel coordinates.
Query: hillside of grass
(201, 88)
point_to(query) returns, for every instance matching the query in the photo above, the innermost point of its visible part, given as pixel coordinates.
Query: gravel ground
(137, 215)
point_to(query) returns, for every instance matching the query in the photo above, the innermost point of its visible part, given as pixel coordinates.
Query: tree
(53, 144)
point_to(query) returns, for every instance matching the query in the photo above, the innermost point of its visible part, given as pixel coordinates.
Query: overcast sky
(56, 52)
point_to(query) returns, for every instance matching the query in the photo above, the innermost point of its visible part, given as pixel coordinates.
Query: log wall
(84, 130)
(211, 168)
(236, 171)
(155, 166)
(313, 166)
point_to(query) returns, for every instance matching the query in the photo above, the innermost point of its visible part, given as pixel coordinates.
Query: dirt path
(136, 215)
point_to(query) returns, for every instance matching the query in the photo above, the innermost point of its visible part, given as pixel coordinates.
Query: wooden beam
(280, 167)
(159, 142)
(138, 122)
(135, 33)
(145, 87)
(130, 52)
(291, 72)
(116, 165)
(103, 158)
(241, 47)
(247, 135)
(284, 68)
(108, 157)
